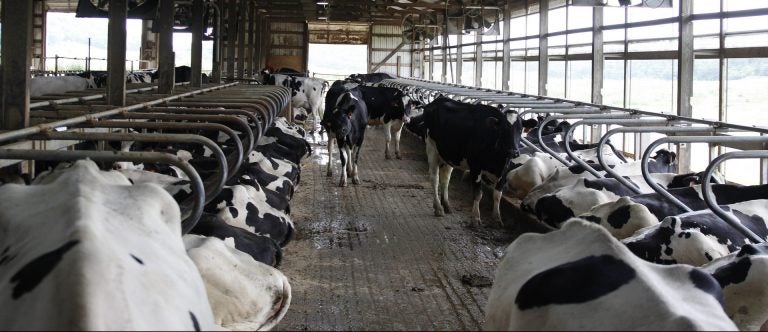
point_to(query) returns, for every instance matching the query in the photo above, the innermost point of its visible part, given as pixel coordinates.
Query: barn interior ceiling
(364, 11)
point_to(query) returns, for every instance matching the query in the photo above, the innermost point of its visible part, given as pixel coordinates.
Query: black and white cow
(370, 78)
(138, 77)
(581, 278)
(741, 274)
(478, 138)
(110, 257)
(261, 248)
(698, 237)
(345, 125)
(306, 92)
(390, 107)
(48, 85)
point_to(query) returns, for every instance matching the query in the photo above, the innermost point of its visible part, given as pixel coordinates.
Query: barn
(383, 165)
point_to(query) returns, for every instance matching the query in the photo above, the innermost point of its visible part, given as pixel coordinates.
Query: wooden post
(16, 45)
(197, 44)
(116, 44)
(543, 46)
(166, 67)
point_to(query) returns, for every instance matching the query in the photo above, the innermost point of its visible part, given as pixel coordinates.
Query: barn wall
(286, 45)
(385, 39)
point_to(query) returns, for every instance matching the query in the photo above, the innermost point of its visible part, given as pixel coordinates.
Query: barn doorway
(337, 61)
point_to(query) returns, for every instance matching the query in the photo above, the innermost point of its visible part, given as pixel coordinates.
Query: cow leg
(356, 152)
(477, 192)
(329, 167)
(344, 160)
(434, 166)
(445, 178)
(397, 129)
(387, 138)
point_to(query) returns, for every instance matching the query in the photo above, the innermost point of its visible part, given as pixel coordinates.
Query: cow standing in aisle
(390, 107)
(345, 124)
(478, 138)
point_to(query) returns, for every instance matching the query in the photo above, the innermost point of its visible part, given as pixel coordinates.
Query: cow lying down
(83, 249)
(589, 281)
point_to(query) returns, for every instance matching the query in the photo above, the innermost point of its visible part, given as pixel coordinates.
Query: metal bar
(711, 201)
(189, 216)
(212, 189)
(389, 56)
(505, 64)
(687, 139)
(543, 48)
(231, 38)
(21, 133)
(685, 76)
(241, 29)
(216, 53)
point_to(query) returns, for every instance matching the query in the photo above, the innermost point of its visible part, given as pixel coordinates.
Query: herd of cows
(56, 85)
(614, 259)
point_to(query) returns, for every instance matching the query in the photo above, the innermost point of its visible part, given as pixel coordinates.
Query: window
(745, 94)
(579, 80)
(556, 79)
(653, 85)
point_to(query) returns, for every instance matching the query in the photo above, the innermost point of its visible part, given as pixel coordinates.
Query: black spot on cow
(650, 247)
(233, 212)
(226, 195)
(753, 249)
(138, 260)
(733, 273)
(33, 273)
(708, 284)
(130, 180)
(552, 211)
(620, 217)
(195, 323)
(262, 248)
(580, 281)
(276, 227)
(591, 218)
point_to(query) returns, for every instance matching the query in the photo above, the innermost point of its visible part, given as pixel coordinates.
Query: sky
(68, 37)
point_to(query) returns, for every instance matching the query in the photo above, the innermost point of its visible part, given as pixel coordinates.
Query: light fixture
(322, 3)
(322, 18)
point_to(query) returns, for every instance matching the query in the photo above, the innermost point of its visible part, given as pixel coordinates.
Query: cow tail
(325, 87)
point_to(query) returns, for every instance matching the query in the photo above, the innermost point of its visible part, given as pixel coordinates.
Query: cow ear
(492, 122)
(672, 157)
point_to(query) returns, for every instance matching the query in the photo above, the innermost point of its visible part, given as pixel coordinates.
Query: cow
(621, 217)
(581, 278)
(306, 92)
(370, 78)
(345, 124)
(698, 237)
(138, 77)
(253, 209)
(478, 138)
(390, 107)
(99, 254)
(244, 294)
(261, 248)
(52, 85)
(741, 274)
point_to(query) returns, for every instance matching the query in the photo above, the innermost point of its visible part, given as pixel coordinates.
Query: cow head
(509, 133)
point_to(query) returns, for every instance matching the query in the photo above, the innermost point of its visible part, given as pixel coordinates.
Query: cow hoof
(387, 156)
(329, 173)
(447, 209)
(398, 156)
(342, 183)
(439, 212)
(356, 180)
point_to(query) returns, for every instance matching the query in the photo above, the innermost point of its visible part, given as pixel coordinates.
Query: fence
(65, 65)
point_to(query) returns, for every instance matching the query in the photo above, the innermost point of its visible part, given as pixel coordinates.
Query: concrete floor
(374, 257)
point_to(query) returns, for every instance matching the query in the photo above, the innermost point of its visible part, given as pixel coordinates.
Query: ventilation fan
(419, 27)
(482, 20)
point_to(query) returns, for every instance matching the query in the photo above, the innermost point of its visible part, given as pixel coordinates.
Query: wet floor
(374, 257)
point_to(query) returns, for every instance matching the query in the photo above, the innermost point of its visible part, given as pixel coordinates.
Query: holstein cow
(345, 124)
(370, 78)
(742, 274)
(581, 278)
(47, 85)
(698, 237)
(478, 138)
(138, 77)
(306, 92)
(390, 107)
(244, 294)
(99, 254)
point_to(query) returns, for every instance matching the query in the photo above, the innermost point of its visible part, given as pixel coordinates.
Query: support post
(478, 59)
(241, 25)
(216, 58)
(685, 77)
(543, 46)
(166, 71)
(231, 38)
(148, 46)
(116, 44)
(16, 43)
(459, 57)
(506, 64)
(598, 64)
(250, 65)
(444, 48)
(197, 44)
